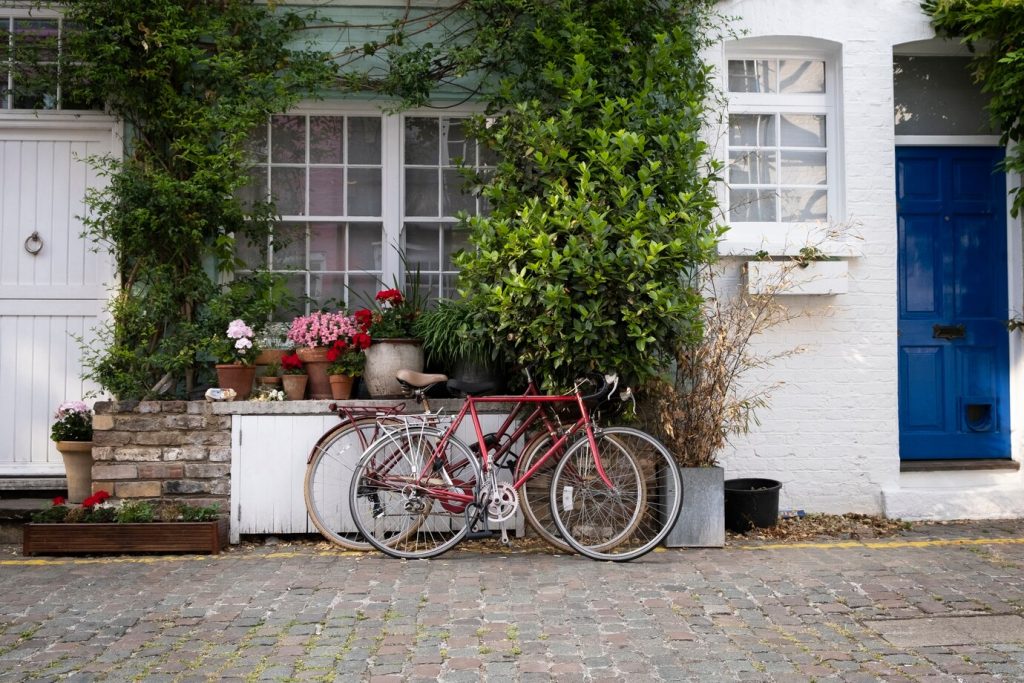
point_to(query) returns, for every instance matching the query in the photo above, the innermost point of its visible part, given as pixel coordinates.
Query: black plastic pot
(751, 503)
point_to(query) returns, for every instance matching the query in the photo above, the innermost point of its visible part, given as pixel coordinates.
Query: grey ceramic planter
(701, 522)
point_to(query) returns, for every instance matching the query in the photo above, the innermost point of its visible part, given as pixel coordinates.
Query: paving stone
(787, 614)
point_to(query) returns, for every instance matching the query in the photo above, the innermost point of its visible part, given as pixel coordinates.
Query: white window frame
(393, 188)
(6, 67)
(777, 237)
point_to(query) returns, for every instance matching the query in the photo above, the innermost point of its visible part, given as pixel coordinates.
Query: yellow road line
(883, 545)
(284, 555)
(40, 561)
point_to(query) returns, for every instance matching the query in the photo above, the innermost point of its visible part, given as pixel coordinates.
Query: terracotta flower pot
(341, 387)
(268, 356)
(294, 386)
(78, 468)
(385, 358)
(238, 377)
(316, 364)
(273, 382)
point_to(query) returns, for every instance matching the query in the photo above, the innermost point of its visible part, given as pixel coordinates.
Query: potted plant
(130, 526)
(271, 375)
(394, 346)
(347, 362)
(455, 341)
(72, 433)
(702, 401)
(237, 351)
(293, 377)
(273, 342)
(313, 336)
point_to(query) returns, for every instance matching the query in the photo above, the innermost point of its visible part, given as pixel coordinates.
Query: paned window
(780, 140)
(434, 150)
(365, 200)
(33, 63)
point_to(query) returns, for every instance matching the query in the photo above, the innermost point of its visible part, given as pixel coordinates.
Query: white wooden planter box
(789, 278)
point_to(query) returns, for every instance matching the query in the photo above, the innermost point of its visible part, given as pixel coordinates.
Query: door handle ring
(34, 243)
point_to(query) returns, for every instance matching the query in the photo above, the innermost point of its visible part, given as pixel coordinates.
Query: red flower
(361, 341)
(95, 498)
(290, 361)
(59, 500)
(336, 350)
(364, 317)
(391, 296)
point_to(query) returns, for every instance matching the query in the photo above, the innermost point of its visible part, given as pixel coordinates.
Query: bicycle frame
(470, 407)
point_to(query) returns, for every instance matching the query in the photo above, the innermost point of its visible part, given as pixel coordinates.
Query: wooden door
(53, 284)
(953, 343)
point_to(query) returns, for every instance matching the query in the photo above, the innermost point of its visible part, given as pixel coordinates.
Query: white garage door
(52, 283)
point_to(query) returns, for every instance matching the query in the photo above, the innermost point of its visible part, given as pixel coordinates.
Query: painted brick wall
(175, 450)
(831, 432)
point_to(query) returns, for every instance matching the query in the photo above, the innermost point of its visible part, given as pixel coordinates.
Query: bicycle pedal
(480, 534)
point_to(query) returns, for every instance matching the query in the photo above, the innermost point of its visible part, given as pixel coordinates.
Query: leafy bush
(604, 199)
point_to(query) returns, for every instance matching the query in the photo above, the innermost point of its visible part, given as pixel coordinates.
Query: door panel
(954, 351)
(50, 299)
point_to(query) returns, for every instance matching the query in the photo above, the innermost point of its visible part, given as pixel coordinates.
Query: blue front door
(953, 343)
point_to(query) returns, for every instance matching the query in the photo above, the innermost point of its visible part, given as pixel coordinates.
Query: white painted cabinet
(268, 468)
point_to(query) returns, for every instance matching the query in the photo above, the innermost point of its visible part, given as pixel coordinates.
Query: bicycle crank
(503, 503)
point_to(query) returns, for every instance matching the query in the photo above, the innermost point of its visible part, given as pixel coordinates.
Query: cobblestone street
(943, 604)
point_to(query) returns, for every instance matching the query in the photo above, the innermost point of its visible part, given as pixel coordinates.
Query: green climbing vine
(190, 81)
(994, 30)
(601, 205)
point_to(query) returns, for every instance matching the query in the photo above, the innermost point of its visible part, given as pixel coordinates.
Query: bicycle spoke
(408, 505)
(625, 522)
(328, 476)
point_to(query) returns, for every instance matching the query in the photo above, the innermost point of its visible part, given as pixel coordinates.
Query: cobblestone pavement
(941, 605)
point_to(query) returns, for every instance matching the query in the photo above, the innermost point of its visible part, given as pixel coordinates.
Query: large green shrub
(604, 200)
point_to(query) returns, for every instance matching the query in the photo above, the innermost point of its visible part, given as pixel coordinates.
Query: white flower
(243, 344)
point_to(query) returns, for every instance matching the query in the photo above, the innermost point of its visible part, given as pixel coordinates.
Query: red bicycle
(419, 490)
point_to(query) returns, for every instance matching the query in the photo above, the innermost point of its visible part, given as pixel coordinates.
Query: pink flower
(237, 329)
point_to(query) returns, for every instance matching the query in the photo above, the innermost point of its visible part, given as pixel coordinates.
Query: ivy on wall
(994, 30)
(190, 80)
(602, 204)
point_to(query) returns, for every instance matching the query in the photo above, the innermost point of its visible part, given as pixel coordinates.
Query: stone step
(32, 484)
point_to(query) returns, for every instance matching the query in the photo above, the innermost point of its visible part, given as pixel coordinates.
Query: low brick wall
(173, 450)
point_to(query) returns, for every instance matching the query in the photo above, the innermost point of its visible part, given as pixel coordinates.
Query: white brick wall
(831, 433)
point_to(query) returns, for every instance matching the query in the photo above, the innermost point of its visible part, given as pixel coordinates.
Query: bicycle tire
(580, 505)
(400, 511)
(535, 493)
(332, 462)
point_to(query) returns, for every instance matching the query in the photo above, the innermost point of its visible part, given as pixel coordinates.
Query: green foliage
(603, 200)
(126, 512)
(996, 29)
(191, 81)
(134, 511)
(452, 332)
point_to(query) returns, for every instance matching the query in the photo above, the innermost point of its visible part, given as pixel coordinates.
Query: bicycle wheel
(328, 475)
(407, 508)
(625, 523)
(535, 493)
